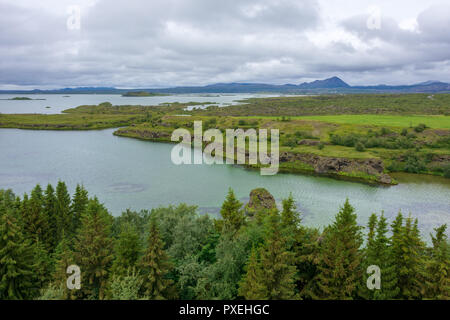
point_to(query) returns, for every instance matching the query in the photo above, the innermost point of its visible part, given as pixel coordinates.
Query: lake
(58, 103)
(129, 173)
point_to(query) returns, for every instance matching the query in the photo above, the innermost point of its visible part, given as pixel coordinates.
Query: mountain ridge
(329, 85)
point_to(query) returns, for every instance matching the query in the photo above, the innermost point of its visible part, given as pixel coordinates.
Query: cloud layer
(159, 43)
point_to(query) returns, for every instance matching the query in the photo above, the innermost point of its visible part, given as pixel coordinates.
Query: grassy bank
(363, 137)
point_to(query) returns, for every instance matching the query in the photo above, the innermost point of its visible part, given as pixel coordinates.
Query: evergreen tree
(307, 249)
(63, 218)
(51, 213)
(251, 286)
(273, 277)
(232, 213)
(438, 267)
(155, 266)
(408, 251)
(7, 201)
(63, 257)
(93, 250)
(277, 262)
(341, 257)
(79, 205)
(43, 265)
(16, 261)
(220, 280)
(36, 225)
(290, 221)
(127, 250)
(378, 252)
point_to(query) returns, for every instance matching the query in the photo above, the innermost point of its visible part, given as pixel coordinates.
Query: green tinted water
(128, 173)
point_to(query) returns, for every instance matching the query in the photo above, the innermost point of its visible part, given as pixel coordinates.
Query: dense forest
(251, 252)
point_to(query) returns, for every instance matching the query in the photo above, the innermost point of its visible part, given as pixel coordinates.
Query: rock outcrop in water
(260, 200)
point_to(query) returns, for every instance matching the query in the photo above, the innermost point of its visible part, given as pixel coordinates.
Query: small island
(142, 94)
(21, 98)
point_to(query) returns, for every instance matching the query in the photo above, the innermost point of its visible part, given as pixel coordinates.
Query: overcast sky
(160, 43)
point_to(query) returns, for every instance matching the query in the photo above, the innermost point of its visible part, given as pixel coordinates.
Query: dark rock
(260, 200)
(326, 165)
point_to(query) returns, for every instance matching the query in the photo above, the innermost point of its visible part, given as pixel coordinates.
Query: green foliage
(341, 257)
(438, 267)
(232, 213)
(94, 250)
(251, 287)
(191, 256)
(52, 292)
(351, 104)
(360, 147)
(446, 171)
(51, 213)
(78, 207)
(35, 221)
(277, 264)
(126, 287)
(63, 258)
(17, 279)
(378, 253)
(420, 127)
(155, 266)
(220, 279)
(407, 253)
(127, 251)
(64, 217)
(413, 163)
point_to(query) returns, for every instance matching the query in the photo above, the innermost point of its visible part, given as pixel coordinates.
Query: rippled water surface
(128, 173)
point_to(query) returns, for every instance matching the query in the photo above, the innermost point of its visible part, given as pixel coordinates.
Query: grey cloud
(191, 42)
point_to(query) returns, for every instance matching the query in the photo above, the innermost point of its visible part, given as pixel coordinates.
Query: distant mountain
(330, 85)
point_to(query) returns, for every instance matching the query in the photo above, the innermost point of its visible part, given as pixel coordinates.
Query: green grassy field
(68, 121)
(431, 121)
(376, 104)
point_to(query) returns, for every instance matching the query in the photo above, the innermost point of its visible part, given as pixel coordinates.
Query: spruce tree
(43, 264)
(126, 251)
(232, 213)
(155, 266)
(378, 252)
(17, 278)
(290, 221)
(64, 257)
(408, 251)
(276, 268)
(438, 267)
(64, 217)
(341, 257)
(94, 249)
(7, 201)
(51, 213)
(251, 286)
(35, 220)
(79, 205)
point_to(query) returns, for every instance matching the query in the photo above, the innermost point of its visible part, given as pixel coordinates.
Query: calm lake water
(58, 103)
(128, 173)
